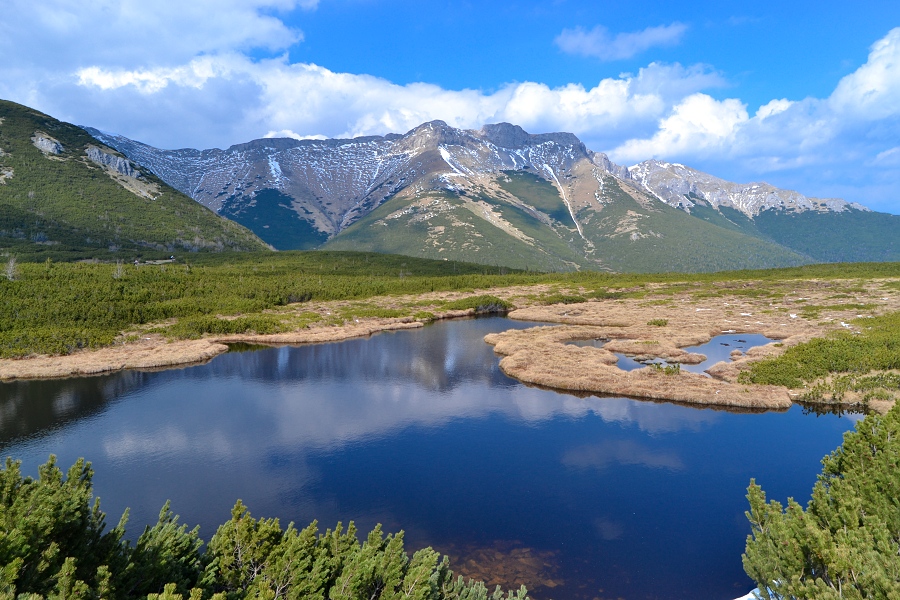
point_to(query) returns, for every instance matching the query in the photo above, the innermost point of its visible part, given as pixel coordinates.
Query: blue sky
(803, 95)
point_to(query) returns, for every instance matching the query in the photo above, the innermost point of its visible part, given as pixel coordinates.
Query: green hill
(525, 224)
(655, 237)
(848, 236)
(446, 227)
(64, 195)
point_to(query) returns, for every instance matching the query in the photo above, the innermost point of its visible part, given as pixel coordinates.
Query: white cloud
(287, 133)
(699, 123)
(598, 42)
(872, 92)
(773, 108)
(842, 145)
(888, 158)
(310, 100)
(68, 34)
(195, 74)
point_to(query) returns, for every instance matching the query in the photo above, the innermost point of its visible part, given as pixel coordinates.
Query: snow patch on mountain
(684, 187)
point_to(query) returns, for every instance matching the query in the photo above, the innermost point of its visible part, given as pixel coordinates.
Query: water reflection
(623, 452)
(578, 497)
(29, 408)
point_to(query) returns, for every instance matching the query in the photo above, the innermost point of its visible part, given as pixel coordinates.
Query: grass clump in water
(481, 304)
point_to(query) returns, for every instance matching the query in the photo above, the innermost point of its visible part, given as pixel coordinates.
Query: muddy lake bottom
(577, 498)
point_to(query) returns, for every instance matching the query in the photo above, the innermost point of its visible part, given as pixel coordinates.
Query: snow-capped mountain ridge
(333, 182)
(682, 187)
(501, 195)
(343, 178)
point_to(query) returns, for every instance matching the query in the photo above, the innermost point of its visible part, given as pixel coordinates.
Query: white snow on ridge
(275, 170)
(448, 158)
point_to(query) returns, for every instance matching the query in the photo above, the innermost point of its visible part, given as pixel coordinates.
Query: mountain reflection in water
(420, 430)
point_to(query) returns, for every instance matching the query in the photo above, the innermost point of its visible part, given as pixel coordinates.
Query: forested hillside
(64, 195)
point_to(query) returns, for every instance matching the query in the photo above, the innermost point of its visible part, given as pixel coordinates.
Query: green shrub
(875, 348)
(562, 299)
(846, 543)
(55, 545)
(481, 304)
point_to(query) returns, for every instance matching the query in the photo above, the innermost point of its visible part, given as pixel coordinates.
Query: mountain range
(502, 196)
(497, 196)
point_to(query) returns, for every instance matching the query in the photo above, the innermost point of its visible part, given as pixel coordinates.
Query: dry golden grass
(693, 314)
(540, 355)
(151, 352)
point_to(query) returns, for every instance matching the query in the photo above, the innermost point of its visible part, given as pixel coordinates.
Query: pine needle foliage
(846, 543)
(54, 545)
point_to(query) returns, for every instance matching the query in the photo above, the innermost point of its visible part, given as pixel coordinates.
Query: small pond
(579, 498)
(716, 350)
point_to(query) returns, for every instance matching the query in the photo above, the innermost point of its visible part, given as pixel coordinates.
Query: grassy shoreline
(60, 320)
(59, 308)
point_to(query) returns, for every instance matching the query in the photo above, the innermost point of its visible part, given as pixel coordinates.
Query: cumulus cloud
(840, 145)
(872, 92)
(598, 43)
(310, 100)
(699, 123)
(68, 33)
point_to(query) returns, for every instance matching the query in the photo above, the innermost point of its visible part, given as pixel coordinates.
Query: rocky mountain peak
(513, 137)
(333, 183)
(506, 135)
(427, 136)
(683, 187)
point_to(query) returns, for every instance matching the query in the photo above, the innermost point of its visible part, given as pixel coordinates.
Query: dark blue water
(419, 430)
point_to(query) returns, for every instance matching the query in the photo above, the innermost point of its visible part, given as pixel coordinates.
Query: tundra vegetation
(55, 545)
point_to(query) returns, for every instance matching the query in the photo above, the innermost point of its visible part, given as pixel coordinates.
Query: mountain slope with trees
(65, 195)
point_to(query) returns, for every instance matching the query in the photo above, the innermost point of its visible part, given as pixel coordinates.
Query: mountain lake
(575, 497)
